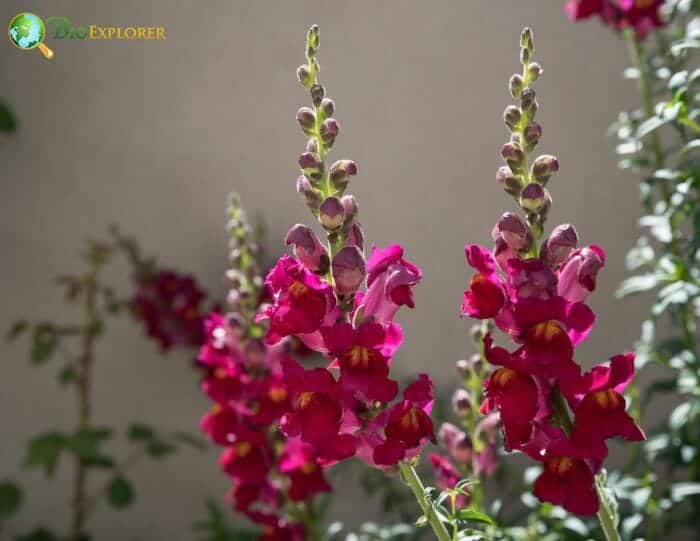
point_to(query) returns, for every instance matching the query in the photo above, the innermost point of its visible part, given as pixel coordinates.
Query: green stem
(605, 516)
(410, 477)
(79, 504)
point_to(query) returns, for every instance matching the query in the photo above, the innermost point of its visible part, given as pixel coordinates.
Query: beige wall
(152, 136)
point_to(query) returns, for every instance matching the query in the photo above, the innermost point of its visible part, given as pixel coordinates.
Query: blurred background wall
(152, 136)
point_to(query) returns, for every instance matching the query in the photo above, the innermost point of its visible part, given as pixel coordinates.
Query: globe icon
(27, 32)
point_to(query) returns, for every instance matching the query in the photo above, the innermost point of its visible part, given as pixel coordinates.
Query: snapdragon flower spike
(640, 15)
(548, 409)
(243, 376)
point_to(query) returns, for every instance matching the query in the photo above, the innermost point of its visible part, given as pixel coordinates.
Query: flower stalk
(410, 477)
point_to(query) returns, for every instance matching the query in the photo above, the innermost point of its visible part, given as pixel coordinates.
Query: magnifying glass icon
(27, 31)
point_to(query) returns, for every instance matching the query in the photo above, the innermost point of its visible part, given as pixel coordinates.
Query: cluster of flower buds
(347, 408)
(640, 15)
(170, 307)
(525, 182)
(273, 478)
(535, 294)
(472, 447)
(245, 275)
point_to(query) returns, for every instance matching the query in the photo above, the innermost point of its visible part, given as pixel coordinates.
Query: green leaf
(44, 450)
(86, 442)
(67, 375)
(637, 284)
(192, 440)
(18, 328)
(140, 432)
(10, 499)
(44, 343)
(120, 492)
(158, 449)
(474, 516)
(8, 123)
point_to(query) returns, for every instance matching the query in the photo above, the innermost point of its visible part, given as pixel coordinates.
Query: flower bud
(307, 248)
(525, 56)
(448, 435)
(312, 145)
(329, 130)
(463, 368)
(531, 135)
(516, 85)
(534, 70)
(306, 120)
(350, 206)
(349, 270)
(515, 232)
(561, 242)
(312, 41)
(317, 93)
(528, 101)
(254, 354)
(513, 155)
(543, 167)
(526, 41)
(328, 107)
(236, 324)
(340, 172)
(331, 214)
(511, 117)
(304, 75)
(462, 449)
(311, 165)
(508, 181)
(532, 198)
(354, 236)
(311, 194)
(461, 402)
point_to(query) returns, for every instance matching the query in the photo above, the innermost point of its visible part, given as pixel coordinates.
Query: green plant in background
(661, 140)
(169, 306)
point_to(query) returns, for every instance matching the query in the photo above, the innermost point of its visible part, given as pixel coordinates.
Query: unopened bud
(331, 214)
(340, 172)
(328, 107)
(531, 135)
(307, 248)
(508, 181)
(561, 242)
(312, 41)
(236, 324)
(317, 93)
(329, 130)
(527, 100)
(304, 76)
(462, 448)
(532, 198)
(515, 232)
(543, 167)
(254, 353)
(461, 402)
(534, 70)
(354, 236)
(476, 332)
(349, 270)
(310, 163)
(311, 195)
(306, 120)
(525, 56)
(511, 117)
(463, 368)
(312, 145)
(526, 41)
(515, 85)
(513, 155)
(350, 206)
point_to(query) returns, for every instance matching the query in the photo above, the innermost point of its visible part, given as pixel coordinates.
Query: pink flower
(485, 297)
(568, 482)
(298, 462)
(390, 281)
(301, 301)
(363, 357)
(577, 276)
